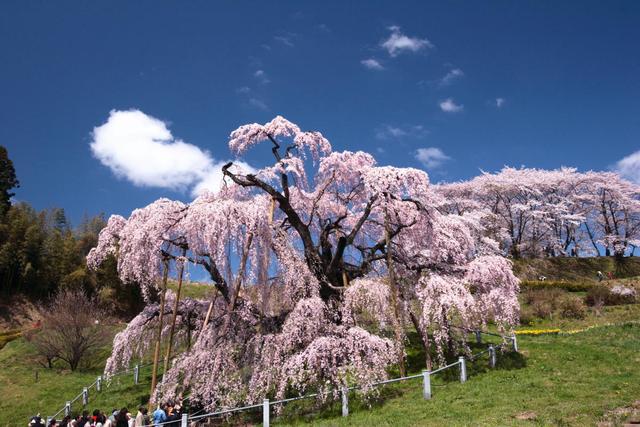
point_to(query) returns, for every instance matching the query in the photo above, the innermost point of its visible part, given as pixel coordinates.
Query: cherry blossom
(315, 263)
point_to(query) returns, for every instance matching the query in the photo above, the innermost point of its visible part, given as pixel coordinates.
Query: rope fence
(98, 385)
(266, 404)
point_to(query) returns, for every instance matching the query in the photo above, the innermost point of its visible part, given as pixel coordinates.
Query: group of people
(167, 415)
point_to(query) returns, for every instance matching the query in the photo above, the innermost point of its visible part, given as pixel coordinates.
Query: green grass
(559, 380)
(192, 289)
(8, 336)
(548, 284)
(575, 269)
(610, 314)
(24, 394)
(562, 379)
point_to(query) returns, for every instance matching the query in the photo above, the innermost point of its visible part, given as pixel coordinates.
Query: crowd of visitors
(167, 415)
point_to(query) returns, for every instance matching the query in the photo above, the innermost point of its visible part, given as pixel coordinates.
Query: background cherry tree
(320, 260)
(563, 212)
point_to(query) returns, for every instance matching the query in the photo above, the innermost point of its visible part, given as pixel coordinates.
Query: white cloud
(431, 157)
(261, 76)
(386, 132)
(500, 102)
(141, 149)
(398, 43)
(285, 40)
(243, 89)
(258, 103)
(629, 167)
(372, 64)
(451, 76)
(449, 106)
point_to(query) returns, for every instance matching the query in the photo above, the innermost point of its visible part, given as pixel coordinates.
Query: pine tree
(8, 180)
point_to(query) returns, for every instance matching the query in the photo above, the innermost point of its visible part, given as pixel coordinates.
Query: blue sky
(369, 75)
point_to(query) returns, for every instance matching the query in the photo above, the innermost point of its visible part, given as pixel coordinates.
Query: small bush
(572, 308)
(542, 309)
(597, 296)
(527, 316)
(550, 297)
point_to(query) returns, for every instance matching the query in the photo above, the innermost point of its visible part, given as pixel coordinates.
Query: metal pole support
(514, 341)
(99, 383)
(67, 408)
(49, 421)
(265, 412)
(136, 374)
(184, 421)
(479, 337)
(492, 356)
(463, 369)
(426, 384)
(345, 401)
(85, 396)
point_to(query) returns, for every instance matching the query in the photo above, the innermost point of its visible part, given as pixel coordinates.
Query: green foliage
(575, 269)
(40, 253)
(559, 284)
(8, 180)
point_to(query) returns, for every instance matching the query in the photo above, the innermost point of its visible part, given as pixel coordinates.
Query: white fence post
(184, 420)
(514, 340)
(265, 412)
(426, 384)
(345, 401)
(99, 383)
(492, 356)
(136, 374)
(67, 408)
(478, 337)
(463, 369)
(85, 396)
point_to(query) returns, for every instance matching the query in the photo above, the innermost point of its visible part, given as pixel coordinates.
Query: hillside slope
(575, 269)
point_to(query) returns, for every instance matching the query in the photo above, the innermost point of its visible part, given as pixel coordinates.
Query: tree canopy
(303, 253)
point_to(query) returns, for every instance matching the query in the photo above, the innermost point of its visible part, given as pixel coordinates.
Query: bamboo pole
(206, 319)
(175, 312)
(156, 352)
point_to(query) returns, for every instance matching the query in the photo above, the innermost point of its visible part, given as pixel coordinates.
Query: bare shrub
(543, 302)
(572, 308)
(73, 326)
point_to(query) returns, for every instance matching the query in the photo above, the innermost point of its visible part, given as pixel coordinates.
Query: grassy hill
(559, 379)
(575, 269)
(570, 379)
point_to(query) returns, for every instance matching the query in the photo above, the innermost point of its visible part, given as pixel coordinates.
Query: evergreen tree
(8, 180)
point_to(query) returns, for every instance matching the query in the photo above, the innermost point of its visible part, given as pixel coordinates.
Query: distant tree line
(41, 253)
(562, 212)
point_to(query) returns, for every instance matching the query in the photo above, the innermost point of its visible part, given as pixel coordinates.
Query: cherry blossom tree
(354, 250)
(533, 212)
(613, 220)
